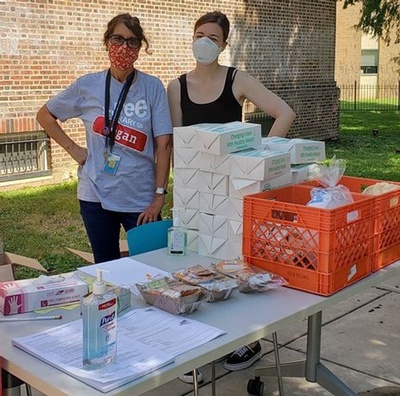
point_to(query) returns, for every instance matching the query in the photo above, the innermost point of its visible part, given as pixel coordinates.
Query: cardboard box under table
(8, 261)
(386, 220)
(315, 250)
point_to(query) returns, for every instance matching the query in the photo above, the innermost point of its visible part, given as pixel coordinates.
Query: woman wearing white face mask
(215, 93)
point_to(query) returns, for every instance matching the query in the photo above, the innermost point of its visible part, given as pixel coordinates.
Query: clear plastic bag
(331, 195)
(219, 285)
(250, 279)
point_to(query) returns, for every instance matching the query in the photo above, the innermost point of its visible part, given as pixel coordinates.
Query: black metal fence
(24, 155)
(362, 97)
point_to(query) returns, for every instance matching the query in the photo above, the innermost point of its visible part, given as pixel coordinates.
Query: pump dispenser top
(99, 287)
(176, 220)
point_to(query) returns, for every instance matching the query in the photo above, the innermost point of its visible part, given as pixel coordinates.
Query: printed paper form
(148, 339)
(123, 271)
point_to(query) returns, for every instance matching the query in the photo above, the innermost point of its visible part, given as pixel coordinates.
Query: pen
(35, 318)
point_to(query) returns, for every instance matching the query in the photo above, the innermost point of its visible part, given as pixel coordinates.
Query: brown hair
(215, 17)
(132, 23)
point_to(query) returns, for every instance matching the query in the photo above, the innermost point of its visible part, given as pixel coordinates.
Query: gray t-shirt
(145, 115)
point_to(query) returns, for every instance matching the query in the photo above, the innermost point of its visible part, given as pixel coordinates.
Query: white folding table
(245, 318)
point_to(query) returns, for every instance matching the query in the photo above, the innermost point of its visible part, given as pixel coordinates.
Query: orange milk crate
(315, 250)
(386, 213)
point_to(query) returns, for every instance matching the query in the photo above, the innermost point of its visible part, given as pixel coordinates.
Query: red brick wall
(288, 45)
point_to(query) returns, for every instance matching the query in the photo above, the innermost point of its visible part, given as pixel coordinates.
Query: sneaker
(243, 357)
(188, 377)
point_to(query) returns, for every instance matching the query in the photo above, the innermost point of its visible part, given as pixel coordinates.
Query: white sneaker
(188, 377)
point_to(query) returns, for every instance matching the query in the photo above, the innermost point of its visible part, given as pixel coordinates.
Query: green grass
(42, 222)
(369, 156)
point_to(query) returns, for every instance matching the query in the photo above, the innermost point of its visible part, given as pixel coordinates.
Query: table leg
(213, 383)
(311, 368)
(278, 364)
(11, 385)
(195, 383)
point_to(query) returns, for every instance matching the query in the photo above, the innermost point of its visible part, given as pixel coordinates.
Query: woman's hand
(78, 153)
(153, 211)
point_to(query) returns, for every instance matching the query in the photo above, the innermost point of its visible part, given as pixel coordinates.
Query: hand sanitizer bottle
(177, 236)
(99, 314)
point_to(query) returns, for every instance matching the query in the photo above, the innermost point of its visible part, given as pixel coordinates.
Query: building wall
(47, 44)
(348, 51)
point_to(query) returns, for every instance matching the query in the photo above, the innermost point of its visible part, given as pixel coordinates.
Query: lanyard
(111, 125)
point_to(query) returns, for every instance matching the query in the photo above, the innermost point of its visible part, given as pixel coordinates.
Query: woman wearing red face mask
(123, 170)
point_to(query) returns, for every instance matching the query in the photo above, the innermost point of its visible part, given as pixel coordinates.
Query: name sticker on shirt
(111, 163)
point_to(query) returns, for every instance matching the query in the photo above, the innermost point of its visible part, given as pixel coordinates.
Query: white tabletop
(245, 318)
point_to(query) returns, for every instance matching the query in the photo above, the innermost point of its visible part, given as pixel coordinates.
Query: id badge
(111, 163)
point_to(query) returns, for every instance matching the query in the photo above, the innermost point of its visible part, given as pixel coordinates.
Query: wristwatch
(161, 190)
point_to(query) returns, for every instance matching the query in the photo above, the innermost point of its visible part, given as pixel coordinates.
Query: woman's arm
(174, 100)
(54, 130)
(247, 87)
(163, 152)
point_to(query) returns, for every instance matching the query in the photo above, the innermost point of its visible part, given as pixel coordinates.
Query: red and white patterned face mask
(122, 57)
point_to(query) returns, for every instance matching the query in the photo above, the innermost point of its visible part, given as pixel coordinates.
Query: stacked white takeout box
(215, 165)
(304, 153)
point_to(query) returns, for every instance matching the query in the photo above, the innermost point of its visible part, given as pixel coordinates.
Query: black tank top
(224, 109)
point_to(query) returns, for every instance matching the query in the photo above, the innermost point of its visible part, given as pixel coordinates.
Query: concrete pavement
(360, 344)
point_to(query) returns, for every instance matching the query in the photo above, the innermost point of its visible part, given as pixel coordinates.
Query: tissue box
(43, 292)
(221, 139)
(302, 151)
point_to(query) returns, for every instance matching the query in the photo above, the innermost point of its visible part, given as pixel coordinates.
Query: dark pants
(103, 228)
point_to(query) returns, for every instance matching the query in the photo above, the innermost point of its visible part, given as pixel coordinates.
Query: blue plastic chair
(148, 237)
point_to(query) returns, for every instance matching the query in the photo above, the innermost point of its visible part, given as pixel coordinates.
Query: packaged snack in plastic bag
(381, 188)
(250, 279)
(219, 285)
(331, 195)
(171, 295)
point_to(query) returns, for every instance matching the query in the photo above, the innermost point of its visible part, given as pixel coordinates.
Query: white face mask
(205, 50)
